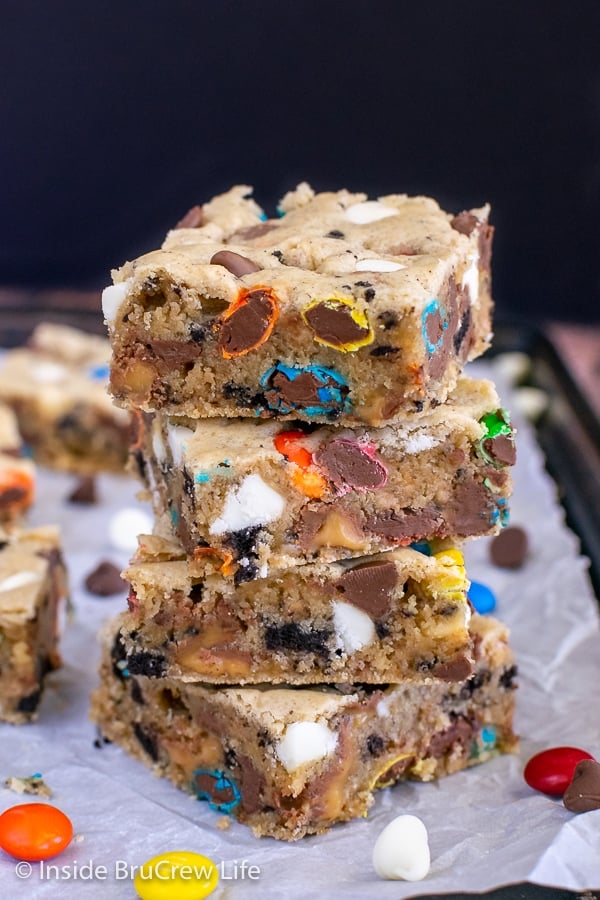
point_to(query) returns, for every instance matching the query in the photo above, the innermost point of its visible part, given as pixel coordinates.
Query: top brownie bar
(342, 310)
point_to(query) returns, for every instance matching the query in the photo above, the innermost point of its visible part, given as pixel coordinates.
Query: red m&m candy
(34, 831)
(551, 770)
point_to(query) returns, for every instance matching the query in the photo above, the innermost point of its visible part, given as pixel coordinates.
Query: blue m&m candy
(482, 597)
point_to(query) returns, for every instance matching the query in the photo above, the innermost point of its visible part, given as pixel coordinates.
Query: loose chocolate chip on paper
(84, 491)
(105, 580)
(583, 793)
(509, 549)
(235, 263)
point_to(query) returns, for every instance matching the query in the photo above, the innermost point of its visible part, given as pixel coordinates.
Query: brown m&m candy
(508, 550)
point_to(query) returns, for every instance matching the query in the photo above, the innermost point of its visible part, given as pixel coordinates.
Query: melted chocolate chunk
(347, 464)
(175, 353)
(252, 785)
(470, 510)
(235, 263)
(193, 218)
(461, 333)
(252, 231)
(146, 662)
(501, 449)
(583, 793)
(460, 732)
(457, 669)
(509, 549)
(298, 638)
(369, 586)
(248, 325)
(406, 525)
(334, 324)
(105, 580)
(465, 222)
(146, 740)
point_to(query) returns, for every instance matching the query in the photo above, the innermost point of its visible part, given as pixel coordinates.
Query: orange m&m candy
(34, 831)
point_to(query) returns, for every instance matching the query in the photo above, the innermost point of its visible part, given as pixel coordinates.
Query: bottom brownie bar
(33, 589)
(293, 761)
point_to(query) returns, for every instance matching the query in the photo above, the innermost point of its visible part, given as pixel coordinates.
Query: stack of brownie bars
(299, 632)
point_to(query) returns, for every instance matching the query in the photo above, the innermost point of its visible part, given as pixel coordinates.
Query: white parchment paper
(486, 826)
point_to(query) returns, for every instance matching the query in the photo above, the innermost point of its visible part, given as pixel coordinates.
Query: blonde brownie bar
(343, 309)
(290, 762)
(268, 494)
(17, 474)
(56, 386)
(377, 619)
(33, 592)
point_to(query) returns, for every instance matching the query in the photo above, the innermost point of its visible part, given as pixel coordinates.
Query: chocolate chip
(465, 222)
(84, 491)
(369, 586)
(235, 263)
(146, 740)
(348, 464)
(252, 231)
(248, 325)
(509, 549)
(298, 638)
(333, 323)
(335, 233)
(406, 525)
(583, 793)
(460, 732)
(193, 218)
(105, 580)
(369, 294)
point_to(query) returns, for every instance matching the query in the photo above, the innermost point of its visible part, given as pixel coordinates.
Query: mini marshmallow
(19, 580)
(158, 445)
(252, 503)
(125, 526)
(304, 742)
(369, 211)
(470, 279)
(112, 297)
(377, 265)
(402, 850)
(49, 373)
(177, 435)
(354, 628)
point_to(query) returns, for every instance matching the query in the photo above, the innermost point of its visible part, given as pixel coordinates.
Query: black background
(116, 117)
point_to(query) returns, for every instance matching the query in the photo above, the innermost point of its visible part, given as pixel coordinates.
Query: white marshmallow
(304, 742)
(177, 435)
(402, 850)
(369, 211)
(125, 526)
(470, 279)
(252, 503)
(377, 265)
(48, 373)
(112, 297)
(158, 445)
(19, 580)
(354, 628)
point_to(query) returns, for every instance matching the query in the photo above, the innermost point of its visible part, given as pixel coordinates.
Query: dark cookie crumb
(244, 397)
(295, 637)
(147, 741)
(375, 745)
(144, 662)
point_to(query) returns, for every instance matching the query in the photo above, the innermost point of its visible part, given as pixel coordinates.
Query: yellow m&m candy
(179, 874)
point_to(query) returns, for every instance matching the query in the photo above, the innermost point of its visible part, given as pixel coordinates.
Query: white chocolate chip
(158, 445)
(252, 503)
(177, 435)
(19, 580)
(377, 265)
(48, 373)
(470, 279)
(112, 297)
(402, 850)
(354, 628)
(304, 742)
(369, 211)
(125, 526)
